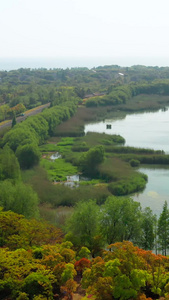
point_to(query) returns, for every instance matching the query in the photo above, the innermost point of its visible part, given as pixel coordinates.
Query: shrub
(125, 187)
(134, 162)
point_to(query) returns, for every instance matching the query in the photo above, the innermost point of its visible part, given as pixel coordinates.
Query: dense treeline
(24, 138)
(83, 76)
(36, 87)
(118, 219)
(123, 93)
(14, 194)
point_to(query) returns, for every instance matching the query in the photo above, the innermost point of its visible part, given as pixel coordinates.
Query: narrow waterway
(144, 130)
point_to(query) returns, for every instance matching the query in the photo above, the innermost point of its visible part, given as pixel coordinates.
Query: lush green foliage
(48, 147)
(90, 160)
(35, 130)
(130, 185)
(120, 220)
(123, 93)
(58, 169)
(14, 195)
(19, 198)
(28, 155)
(134, 162)
(9, 166)
(149, 229)
(83, 226)
(117, 219)
(163, 229)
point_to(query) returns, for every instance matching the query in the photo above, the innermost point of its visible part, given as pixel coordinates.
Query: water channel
(144, 130)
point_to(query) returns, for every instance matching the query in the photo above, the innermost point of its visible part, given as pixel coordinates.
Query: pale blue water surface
(144, 130)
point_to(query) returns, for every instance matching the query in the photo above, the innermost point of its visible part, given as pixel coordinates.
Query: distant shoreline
(7, 64)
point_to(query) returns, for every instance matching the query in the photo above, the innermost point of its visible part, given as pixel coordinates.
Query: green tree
(120, 219)
(148, 229)
(18, 135)
(38, 284)
(9, 166)
(28, 155)
(163, 229)
(83, 224)
(90, 160)
(14, 120)
(40, 126)
(3, 111)
(19, 198)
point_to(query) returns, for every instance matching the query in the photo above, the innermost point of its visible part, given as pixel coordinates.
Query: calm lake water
(144, 130)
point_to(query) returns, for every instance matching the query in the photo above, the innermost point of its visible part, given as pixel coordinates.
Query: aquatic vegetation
(58, 170)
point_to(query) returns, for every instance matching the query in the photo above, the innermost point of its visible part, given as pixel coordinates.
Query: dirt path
(80, 293)
(77, 297)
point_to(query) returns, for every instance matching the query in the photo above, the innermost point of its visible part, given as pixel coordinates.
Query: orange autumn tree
(129, 273)
(82, 264)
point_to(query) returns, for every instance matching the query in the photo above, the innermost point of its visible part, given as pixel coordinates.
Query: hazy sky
(84, 28)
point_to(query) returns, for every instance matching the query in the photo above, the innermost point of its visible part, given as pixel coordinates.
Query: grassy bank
(60, 195)
(75, 126)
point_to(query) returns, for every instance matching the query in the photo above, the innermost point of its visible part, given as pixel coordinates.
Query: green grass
(93, 138)
(53, 147)
(67, 141)
(58, 169)
(48, 148)
(91, 182)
